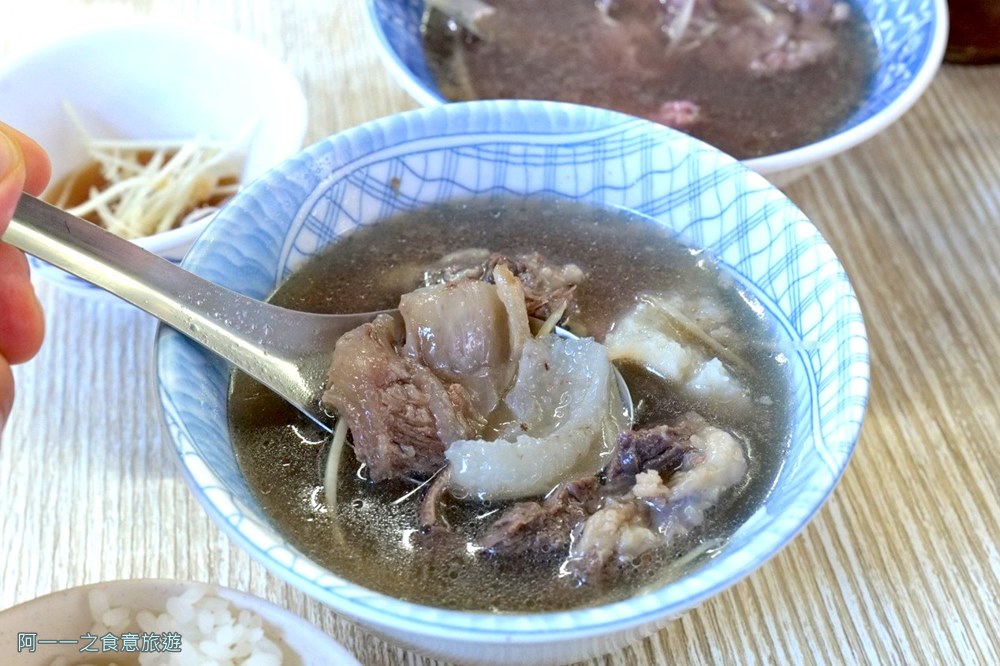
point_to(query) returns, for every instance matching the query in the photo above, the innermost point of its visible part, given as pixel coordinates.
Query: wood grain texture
(900, 567)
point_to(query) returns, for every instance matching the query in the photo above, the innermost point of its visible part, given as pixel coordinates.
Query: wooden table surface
(902, 565)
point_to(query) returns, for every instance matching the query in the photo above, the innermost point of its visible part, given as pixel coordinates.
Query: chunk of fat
(618, 531)
(562, 425)
(511, 295)
(713, 382)
(716, 464)
(641, 337)
(469, 333)
(635, 338)
(719, 465)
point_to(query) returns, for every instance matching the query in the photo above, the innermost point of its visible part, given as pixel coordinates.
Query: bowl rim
(787, 160)
(378, 609)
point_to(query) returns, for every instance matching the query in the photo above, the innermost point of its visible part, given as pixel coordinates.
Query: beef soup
(752, 77)
(488, 466)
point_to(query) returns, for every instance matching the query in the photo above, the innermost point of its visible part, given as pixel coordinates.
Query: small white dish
(153, 80)
(66, 616)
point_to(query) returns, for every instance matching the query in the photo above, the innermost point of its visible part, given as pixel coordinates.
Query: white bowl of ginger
(151, 126)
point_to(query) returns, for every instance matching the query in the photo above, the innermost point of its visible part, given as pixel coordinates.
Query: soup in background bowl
(515, 154)
(908, 37)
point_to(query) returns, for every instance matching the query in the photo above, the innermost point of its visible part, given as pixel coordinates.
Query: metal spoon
(286, 350)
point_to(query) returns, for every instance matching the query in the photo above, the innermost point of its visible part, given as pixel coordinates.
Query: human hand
(23, 166)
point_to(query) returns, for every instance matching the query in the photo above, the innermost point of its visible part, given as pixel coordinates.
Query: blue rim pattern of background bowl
(490, 149)
(909, 36)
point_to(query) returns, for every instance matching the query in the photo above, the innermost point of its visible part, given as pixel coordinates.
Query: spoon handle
(173, 295)
(246, 332)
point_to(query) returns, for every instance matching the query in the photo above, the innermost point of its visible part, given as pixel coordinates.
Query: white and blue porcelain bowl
(910, 36)
(529, 149)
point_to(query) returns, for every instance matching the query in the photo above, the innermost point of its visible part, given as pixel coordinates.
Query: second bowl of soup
(782, 85)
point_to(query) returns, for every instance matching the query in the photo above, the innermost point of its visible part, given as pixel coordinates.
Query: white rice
(212, 631)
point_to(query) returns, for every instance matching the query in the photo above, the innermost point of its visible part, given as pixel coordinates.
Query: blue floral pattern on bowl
(511, 148)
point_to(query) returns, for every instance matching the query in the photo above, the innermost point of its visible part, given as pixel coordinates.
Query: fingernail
(10, 154)
(11, 178)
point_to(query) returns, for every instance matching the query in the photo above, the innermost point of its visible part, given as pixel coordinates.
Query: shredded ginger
(154, 186)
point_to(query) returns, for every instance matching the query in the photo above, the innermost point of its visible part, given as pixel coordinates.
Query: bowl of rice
(151, 125)
(153, 622)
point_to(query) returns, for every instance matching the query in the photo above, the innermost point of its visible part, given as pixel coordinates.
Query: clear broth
(557, 53)
(367, 539)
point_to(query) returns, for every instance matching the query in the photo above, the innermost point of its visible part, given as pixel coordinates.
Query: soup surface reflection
(369, 537)
(751, 77)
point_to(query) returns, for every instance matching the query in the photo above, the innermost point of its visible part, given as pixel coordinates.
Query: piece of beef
(546, 526)
(546, 285)
(619, 532)
(657, 512)
(427, 514)
(400, 415)
(656, 489)
(633, 34)
(809, 43)
(762, 36)
(466, 263)
(406, 402)
(661, 449)
(530, 526)
(767, 37)
(715, 463)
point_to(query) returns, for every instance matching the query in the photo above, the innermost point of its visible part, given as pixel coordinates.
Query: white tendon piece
(645, 336)
(561, 426)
